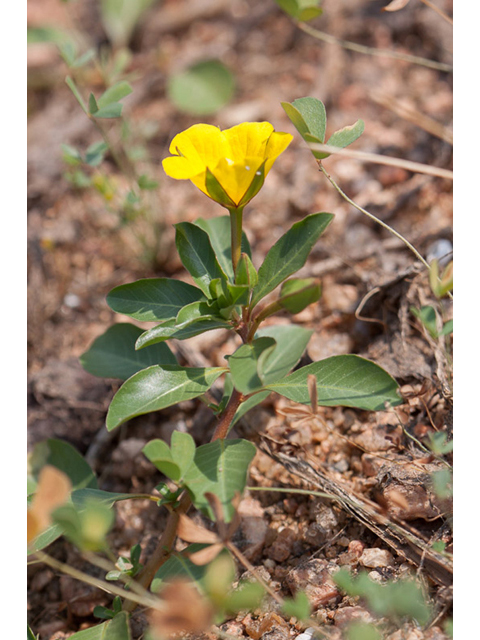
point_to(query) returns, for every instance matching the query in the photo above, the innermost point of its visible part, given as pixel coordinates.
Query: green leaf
(343, 137)
(298, 293)
(219, 467)
(83, 59)
(158, 387)
(197, 255)
(308, 115)
(298, 607)
(179, 566)
(71, 155)
(120, 17)
(289, 253)
(153, 299)
(401, 598)
(196, 310)
(428, 317)
(113, 354)
(202, 89)
(30, 634)
(363, 631)
(45, 538)
(349, 381)
(115, 629)
(158, 452)
(172, 461)
(106, 498)
(169, 329)
(86, 527)
(114, 94)
(246, 364)
(291, 342)
(95, 153)
(247, 597)
(447, 328)
(64, 457)
(219, 232)
(146, 183)
(249, 403)
(301, 10)
(442, 483)
(92, 104)
(112, 110)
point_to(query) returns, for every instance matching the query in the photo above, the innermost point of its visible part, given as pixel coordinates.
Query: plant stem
(167, 540)
(163, 550)
(146, 600)
(439, 11)
(269, 310)
(236, 230)
(223, 426)
(374, 218)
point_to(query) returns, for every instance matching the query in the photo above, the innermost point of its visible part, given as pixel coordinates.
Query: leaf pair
(309, 117)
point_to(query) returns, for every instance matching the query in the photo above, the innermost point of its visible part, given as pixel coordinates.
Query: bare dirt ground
(78, 252)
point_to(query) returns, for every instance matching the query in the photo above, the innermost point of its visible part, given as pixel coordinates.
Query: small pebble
(376, 558)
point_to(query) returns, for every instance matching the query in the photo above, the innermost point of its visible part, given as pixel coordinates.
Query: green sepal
(255, 186)
(216, 191)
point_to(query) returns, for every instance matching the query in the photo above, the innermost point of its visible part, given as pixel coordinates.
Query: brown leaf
(192, 532)
(204, 556)
(396, 5)
(186, 610)
(53, 489)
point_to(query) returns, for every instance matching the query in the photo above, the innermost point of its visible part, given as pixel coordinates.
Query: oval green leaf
(221, 468)
(202, 89)
(159, 387)
(153, 299)
(289, 253)
(113, 354)
(348, 380)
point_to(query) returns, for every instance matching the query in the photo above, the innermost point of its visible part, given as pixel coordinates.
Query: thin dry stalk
(376, 158)
(372, 51)
(439, 11)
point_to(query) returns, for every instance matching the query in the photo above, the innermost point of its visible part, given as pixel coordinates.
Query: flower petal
(201, 144)
(182, 168)
(248, 140)
(277, 143)
(237, 177)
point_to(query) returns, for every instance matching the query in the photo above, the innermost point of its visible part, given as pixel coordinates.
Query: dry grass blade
(376, 158)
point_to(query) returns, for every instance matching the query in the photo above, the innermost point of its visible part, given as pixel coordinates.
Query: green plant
(395, 599)
(229, 292)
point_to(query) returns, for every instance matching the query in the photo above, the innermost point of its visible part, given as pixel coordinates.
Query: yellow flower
(238, 158)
